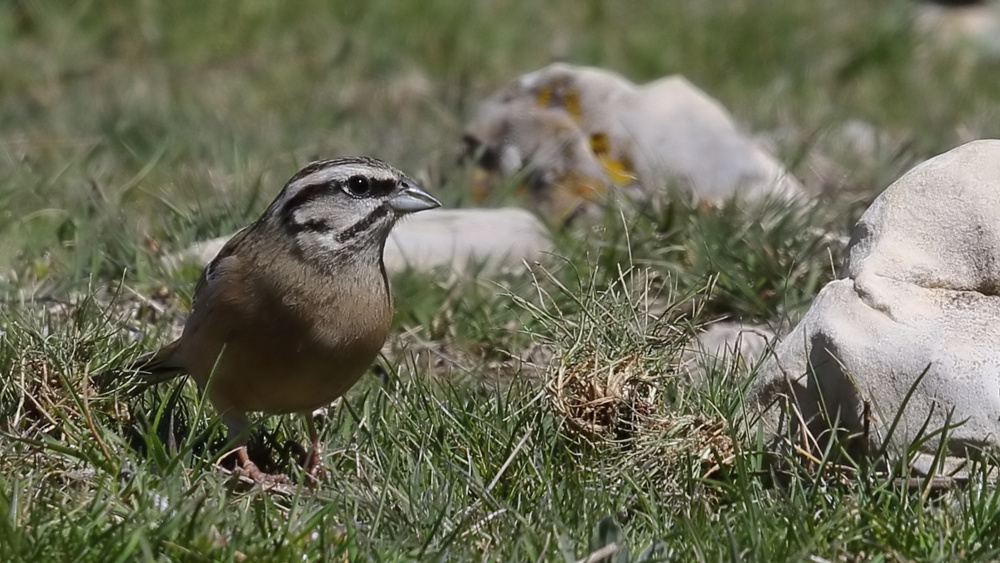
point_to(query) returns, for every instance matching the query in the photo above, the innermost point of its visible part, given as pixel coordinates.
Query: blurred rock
(464, 240)
(858, 137)
(975, 24)
(722, 344)
(919, 294)
(579, 131)
(467, 241)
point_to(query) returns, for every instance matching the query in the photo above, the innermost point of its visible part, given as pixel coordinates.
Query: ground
(535, 416)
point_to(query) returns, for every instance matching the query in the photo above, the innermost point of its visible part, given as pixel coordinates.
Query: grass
(130, 130)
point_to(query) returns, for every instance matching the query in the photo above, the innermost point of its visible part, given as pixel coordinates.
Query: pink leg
(312, 464)
(236, 430)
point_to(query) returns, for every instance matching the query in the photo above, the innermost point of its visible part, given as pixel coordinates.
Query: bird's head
(345, 207)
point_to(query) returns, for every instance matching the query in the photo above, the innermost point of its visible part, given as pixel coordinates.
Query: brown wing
(231, 247)
(163, 365)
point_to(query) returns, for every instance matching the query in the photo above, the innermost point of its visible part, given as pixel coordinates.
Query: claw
(249, 469)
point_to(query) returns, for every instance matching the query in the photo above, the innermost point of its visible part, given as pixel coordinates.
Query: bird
(295, 308)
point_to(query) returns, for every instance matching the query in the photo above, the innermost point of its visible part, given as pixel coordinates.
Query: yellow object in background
(619, 171)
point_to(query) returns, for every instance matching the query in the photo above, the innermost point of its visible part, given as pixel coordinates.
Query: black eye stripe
(376, 188)
(383, 187)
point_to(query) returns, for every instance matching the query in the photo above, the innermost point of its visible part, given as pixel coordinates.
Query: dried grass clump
(627, 401)
(603, 402)
(673, 441)
(612, 374)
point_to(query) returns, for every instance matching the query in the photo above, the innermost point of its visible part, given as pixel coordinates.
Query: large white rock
(664, 130)
(919, 294)
(465, 241)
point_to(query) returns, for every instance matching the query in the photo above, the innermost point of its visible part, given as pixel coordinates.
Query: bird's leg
(312, 462)
(249, 469)
(237, 434)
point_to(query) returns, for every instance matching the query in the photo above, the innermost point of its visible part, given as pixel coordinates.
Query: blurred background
(128, 129)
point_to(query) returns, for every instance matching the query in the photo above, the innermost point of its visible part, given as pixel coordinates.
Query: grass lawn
(129, 130)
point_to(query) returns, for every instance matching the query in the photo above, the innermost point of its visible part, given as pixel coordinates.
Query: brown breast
(285, 342)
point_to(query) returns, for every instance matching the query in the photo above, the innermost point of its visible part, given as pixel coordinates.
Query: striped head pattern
(344, 206)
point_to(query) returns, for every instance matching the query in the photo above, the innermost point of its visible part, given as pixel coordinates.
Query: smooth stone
(466, 241)
(911, 328)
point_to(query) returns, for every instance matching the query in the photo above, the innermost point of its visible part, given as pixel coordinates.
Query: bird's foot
(313, 465)
(250, 470)
(309, 460)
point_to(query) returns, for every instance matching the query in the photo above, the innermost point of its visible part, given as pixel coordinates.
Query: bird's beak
(412, 199)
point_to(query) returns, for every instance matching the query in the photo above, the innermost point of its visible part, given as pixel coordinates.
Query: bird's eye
(359, 185)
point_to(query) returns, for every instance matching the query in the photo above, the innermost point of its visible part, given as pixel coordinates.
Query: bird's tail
(152, 368)
(157, 367)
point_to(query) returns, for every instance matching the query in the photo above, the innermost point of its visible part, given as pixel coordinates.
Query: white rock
(467, 241)
(976, 25)
(198, 254)
(858, 137)
(918, 294)
(724, 343)
(664, 130)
